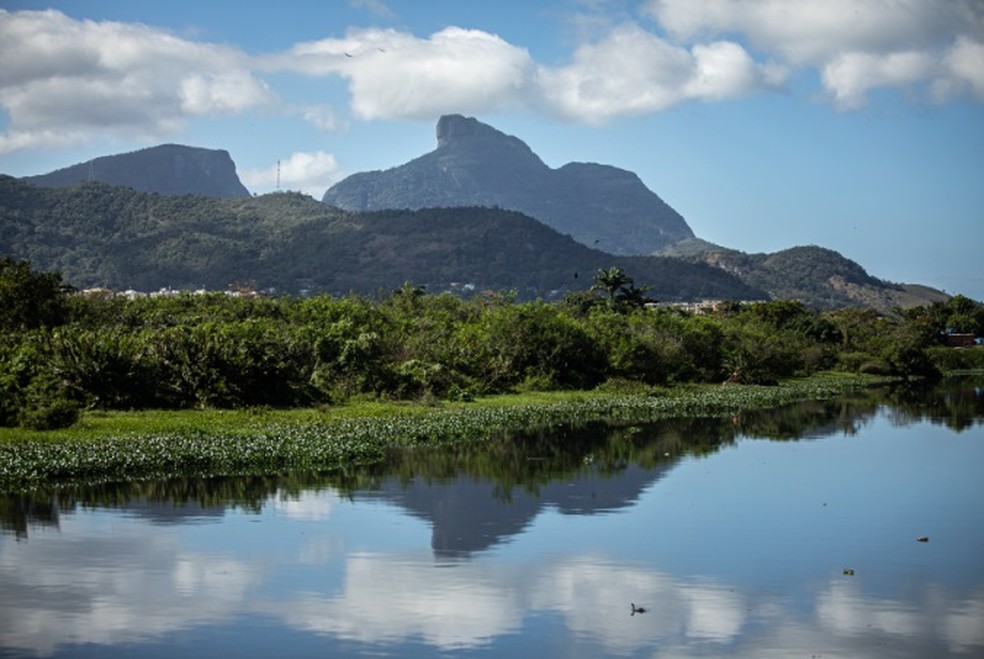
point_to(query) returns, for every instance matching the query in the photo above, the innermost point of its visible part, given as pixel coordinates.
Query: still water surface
(792, 533)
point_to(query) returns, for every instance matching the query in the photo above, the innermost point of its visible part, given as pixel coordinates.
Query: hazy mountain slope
(476, 165)
(166, 169)
(99, 235)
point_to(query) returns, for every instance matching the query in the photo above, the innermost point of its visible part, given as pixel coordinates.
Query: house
(956, 340)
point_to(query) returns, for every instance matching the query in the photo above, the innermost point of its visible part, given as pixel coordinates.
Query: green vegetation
(325, 381)
(266, 442)
(822, 277)
(62, 353)
(97, 235)
(527, 459)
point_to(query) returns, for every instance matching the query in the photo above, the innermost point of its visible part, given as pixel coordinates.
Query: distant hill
(166, 169)
(98, 235)
(820, 277)
(474, 164)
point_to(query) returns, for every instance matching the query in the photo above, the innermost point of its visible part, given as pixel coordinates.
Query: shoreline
(130, 446)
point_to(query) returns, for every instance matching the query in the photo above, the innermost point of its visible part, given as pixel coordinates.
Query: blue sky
(857, 125)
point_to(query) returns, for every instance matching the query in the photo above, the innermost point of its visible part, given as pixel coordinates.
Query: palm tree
(612, 281)
(620, 287)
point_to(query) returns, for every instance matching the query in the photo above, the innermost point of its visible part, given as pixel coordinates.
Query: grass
(97, 425)
(124, 446)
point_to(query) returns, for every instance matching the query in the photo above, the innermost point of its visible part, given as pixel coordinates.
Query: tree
(620, 288)
(30, 299)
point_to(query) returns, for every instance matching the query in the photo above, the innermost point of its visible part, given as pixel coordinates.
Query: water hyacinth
(327, 446)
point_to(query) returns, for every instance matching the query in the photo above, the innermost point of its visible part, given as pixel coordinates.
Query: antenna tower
(278, 176)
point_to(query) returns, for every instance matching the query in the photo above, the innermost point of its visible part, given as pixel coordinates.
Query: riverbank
(124, 446)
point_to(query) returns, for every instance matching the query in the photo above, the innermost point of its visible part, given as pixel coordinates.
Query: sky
(856, 125)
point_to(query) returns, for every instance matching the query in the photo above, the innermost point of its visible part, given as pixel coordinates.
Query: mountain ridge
(475, 164)
(819, 275)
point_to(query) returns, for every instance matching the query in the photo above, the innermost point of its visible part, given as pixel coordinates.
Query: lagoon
(792, 532)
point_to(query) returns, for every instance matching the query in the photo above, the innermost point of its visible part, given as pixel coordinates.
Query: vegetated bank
(66, 358)
(118, 447)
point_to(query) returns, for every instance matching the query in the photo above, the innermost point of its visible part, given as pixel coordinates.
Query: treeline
(61, 352)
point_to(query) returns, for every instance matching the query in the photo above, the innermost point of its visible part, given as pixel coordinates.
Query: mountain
(820, 277)
(476, 165)
(165, 169)
(103, 236)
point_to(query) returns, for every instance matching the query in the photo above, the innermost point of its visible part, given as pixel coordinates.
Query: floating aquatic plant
(333, 444)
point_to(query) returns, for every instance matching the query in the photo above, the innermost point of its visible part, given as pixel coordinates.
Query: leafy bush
(49, 413)
(510, 344)
(29, 299)
(47, 406)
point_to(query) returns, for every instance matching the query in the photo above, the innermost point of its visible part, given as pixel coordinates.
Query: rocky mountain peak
(453, 128)
(165, 169)
(477, 165)
(467, 134)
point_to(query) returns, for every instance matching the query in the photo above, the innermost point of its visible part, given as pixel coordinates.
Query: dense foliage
(62, 352)
(97, 235)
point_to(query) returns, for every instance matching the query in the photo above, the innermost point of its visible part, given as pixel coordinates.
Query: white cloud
(724, 69)
(856, 45)
(629, 72)
(455, 70)
(323, 117)
(309, 172)
(632, 71)
(397, 75)
(850, 76)
(221, 92)
(393, 74)
(806, 31)
(65, 81)
(965, 62)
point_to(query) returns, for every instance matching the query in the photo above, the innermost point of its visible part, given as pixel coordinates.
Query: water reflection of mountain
(469, 515)
(166, 512)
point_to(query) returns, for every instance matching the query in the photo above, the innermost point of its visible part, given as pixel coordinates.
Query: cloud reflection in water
(129, 585)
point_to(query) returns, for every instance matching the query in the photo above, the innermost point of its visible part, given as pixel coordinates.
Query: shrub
(46, 405)
(510, 344)
(50, 414)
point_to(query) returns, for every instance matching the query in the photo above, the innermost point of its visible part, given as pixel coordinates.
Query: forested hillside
(821, 277)
(102, 236)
